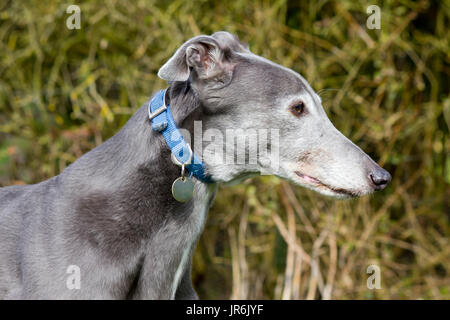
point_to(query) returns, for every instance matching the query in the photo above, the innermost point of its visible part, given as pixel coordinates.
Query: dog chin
(333, 194)
(322, 188)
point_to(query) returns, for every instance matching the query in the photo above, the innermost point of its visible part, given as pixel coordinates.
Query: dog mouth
(319, 184)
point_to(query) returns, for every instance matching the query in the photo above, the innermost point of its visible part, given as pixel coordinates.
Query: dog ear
(228, 40)
(201, 54)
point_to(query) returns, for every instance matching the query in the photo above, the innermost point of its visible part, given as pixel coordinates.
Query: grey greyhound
(111, 213)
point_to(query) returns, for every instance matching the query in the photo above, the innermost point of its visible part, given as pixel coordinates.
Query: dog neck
(133, 172)
(136, 147)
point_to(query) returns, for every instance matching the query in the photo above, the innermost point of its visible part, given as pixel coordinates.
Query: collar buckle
(157, 112)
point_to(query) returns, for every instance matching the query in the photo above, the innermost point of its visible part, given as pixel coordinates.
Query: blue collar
(162, 121)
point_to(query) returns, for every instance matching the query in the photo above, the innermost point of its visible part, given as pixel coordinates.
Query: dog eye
(298, 108)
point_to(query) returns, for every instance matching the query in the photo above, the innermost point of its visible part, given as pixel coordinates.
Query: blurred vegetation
(62, 92)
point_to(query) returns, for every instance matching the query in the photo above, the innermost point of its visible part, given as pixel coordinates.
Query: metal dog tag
(183, 189)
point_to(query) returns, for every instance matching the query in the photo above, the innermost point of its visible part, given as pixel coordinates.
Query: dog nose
(380, 178)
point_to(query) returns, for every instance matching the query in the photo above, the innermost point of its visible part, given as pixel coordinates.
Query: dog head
(269, 108)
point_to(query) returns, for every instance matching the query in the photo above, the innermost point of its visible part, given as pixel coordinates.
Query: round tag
(183, 189)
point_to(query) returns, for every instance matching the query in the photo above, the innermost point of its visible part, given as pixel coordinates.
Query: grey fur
(112, 213)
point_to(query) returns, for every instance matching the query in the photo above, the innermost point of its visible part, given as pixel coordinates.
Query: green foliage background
(62, 92)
